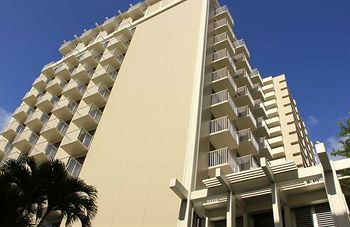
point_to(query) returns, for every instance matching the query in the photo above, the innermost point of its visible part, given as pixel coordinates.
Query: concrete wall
(141, 141)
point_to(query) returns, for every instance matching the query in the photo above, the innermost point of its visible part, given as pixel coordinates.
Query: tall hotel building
(160, 109)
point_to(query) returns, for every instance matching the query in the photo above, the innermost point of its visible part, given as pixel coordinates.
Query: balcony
(5, 147)
(65, 109)
(223, 133)
(75, 90)
(137, 11)
(257, 92)
(77, 142)
(113, 58)
(55, 86)
(31, 97)
(105, 75)
(110, 24)
(26, 140)
(271, 104)
(243, 98)
(223, 59)
(83, 73)
(120, 42)
(223, 80)
(97, 94)
(223, 105)
(71, 59)
(124, 29)
(224, 41)
(223, 12)
(36, 120)
(48, 69)
(46, 102)
(241, 48)
(223, 25)
(224, 159)
(54, 130)
(247, 143)
(88, 35)
(73, 167)
(40, 82)
(241, 62)
(97, 44)
(276, 141)
(245, 119)
(90, 57)
(64, 71)
(273, 122)
(265, 148)
(228, 163)
(22, 112)
(259, 110)
(255, 77)
(87, 117)
(262, 129)
(44, 151)
(241, 78)
(272, 112)
(12, 130)
(67, 47)
(275, 131)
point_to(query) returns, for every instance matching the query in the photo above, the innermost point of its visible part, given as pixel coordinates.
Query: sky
(307, 40)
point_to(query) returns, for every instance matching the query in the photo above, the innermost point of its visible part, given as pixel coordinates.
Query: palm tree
(29, 192)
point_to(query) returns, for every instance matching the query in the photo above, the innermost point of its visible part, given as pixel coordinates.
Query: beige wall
(140, 144)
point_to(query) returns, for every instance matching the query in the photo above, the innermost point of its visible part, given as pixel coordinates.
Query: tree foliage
(344, 139)
(29, 192)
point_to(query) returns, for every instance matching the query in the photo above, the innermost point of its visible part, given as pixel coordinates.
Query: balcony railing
(221, 124)
(6, 146)
(247, 162)
(95, 113)
(223, 156)
(73, 167)
(53, 99)
(223, 96)
(44, 117)
(85, 138)
(239, 43)
(244, 111)
(221, 54)
(246, 135)
(221, 23)
(221, 37)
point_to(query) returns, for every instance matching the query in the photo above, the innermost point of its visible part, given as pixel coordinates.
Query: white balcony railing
(95, 113)
(221, 23)
(247, 162)
(244, 111)
(223, 96)
(246, 135)
(85, 138)
(221, 124)
(73, 167)
(51, 150)
(223, 156)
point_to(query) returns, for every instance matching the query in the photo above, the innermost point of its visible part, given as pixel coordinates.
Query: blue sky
(307, 40)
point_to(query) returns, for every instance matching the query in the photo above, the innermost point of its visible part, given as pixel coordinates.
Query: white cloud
(333, 143)
(313, 120)
(5, 118)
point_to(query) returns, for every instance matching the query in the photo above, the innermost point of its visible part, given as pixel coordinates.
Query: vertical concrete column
(245, 219)
(231, 211)
(276, 206)
(207, 222)
(288, 218)
(336, 198)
